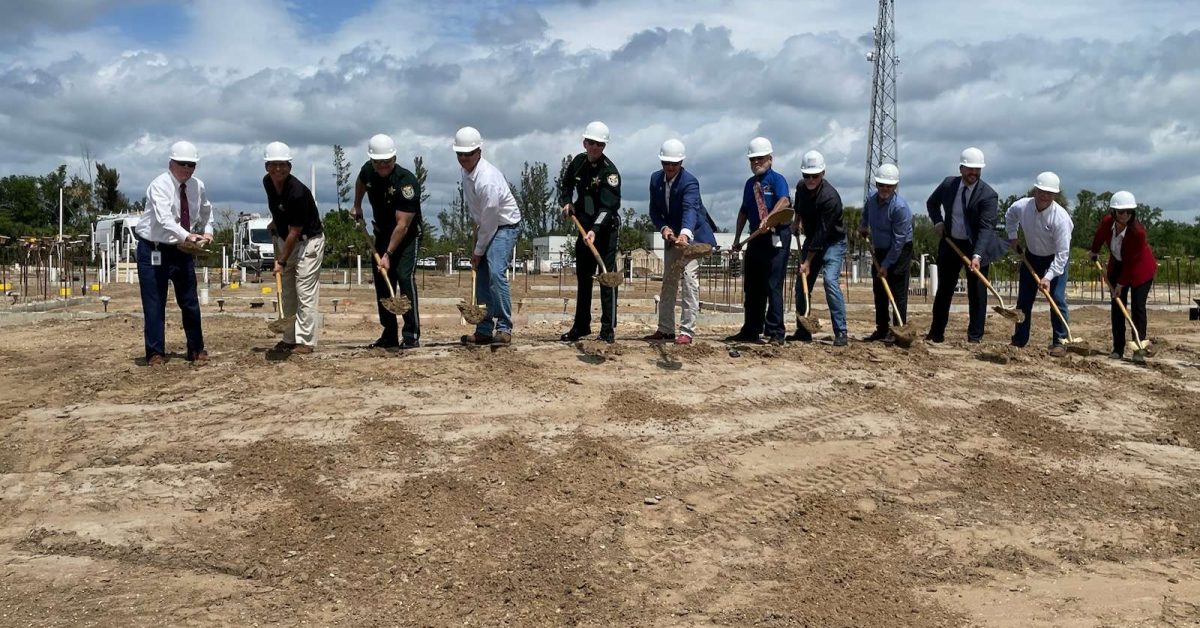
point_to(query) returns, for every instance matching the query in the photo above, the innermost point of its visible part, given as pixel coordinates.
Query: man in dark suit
(679, 215)
(963, 210)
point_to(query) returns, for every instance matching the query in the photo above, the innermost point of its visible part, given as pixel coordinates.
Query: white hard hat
(596, 131)
(184, 151)
(812, 163)
(971, 158)
(759, 147)
(1047, 182)
(381, 147)
(672, 151)
(467, 140)
(1122, 200)
(887, 174)
(277, 151)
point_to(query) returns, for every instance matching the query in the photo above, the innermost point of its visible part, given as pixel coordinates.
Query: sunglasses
(279, 164)
(755, 160)
(186, 164)
(383, 162)
(594, 143)
(1123, 211)
(812, 176)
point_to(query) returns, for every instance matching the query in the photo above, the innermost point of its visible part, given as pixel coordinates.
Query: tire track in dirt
(796, 428)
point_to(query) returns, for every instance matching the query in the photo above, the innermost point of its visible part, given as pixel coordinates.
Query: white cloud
(1104, 97)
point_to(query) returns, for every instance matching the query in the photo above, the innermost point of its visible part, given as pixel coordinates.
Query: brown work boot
(302, 349)
(1058, 351)
(156, 359)
(475, 339)
(199, 357)
(502, 338)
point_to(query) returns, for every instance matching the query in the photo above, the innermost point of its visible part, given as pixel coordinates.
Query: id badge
(776, 241)
(156, 258)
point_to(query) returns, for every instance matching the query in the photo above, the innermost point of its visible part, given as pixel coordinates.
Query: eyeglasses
(669, 164)
(1123, 211)
(755, 160)
(279, 164)
(594, 143)
(186, 164)
(812, 176)
(383, 162)
(466, 155)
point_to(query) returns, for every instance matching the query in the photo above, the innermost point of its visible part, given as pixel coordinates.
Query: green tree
(428, 232)
(634, 228)
(565, 226)
(341, 176)
(344, 238)
(108, 194)
(455, 224)
(538, 215)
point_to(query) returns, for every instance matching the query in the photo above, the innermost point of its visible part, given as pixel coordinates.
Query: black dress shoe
(937, 340)
(876, 336)
(776, 341)
(607, 336)
(573, 335)
(800, 336)
(410, 343)
(384, 343)
(740, 337)
(841, 340)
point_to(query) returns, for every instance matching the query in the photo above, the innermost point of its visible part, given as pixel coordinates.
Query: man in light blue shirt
(887, 220)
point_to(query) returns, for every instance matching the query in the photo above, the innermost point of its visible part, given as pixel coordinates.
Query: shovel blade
(811, 324)
(1008, 313)
(472, 313)
(281, 325)
(396, 305)
(610, 280)
(904, 336)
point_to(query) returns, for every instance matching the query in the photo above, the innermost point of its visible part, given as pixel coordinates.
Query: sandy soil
(596, 485)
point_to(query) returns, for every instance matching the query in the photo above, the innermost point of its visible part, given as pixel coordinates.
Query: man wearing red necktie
(177, 210)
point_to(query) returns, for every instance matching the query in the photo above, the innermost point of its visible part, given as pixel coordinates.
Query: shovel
(811, 324)
(607, 279)
(774, 219)
(396, 305)
(903, 334)
(1073, 344)
(1006, 312)
(472, 313)
(1139, 345)
(691, 251)
(280, 325)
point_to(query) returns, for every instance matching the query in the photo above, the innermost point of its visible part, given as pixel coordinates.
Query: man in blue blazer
(963, 210)
(679, 215)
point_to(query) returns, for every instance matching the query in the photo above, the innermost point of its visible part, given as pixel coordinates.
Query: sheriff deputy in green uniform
(593, 180)
(395, 199)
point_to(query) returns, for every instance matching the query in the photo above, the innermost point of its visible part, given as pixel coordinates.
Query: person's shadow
(665, 360)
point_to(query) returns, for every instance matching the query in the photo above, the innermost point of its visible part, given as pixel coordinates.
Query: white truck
(252, 245)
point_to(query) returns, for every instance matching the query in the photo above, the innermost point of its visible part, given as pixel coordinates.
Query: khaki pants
(689, 283)
(302, 288)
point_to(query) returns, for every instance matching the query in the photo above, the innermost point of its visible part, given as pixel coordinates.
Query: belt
(151, 242)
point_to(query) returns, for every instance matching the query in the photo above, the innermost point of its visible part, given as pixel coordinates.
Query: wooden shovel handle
(583, 236)
(966, 260)
(887, 289)
(279, 294)
(1120, 304)
(378, 260)
(1046, 293)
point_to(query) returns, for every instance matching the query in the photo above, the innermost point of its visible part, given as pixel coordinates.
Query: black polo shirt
(398, 191)
(293, 207)
(820, 214)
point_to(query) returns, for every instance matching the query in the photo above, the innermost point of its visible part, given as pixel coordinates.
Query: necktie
(185, 217)
(758, 199)
(964, 196)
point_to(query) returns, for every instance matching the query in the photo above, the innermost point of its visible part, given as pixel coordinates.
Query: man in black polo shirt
(395, 199)
(299, 247)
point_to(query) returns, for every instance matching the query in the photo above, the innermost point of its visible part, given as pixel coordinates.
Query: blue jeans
(178, 268)
(829, 266)
(1027, 291)
(491, 282)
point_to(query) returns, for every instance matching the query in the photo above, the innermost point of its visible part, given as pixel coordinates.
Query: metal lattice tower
(882, 138)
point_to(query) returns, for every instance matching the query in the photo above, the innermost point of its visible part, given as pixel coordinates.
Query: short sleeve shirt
(398, 191)
(293, 207)
(774, 187)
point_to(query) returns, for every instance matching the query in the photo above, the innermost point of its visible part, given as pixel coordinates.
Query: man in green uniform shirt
(395, 199)
(591, 190)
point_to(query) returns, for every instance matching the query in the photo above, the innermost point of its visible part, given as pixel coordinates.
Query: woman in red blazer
(1131, 266)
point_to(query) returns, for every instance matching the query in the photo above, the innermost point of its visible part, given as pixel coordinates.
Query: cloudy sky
(1101, 91)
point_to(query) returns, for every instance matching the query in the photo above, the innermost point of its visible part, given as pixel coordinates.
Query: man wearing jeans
(819, 213)
(299, 247)
(1047, 228)
(494, 210)
(177, 208)
(679, 215)
(887, 221)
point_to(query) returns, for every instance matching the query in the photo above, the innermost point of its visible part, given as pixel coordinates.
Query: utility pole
(882, 137)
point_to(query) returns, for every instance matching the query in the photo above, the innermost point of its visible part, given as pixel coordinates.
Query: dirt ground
(595, 485)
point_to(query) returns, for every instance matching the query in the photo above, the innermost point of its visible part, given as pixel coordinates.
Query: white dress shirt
(1047, 232)
(490, 202)
(1118, 240)
(160, 220)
